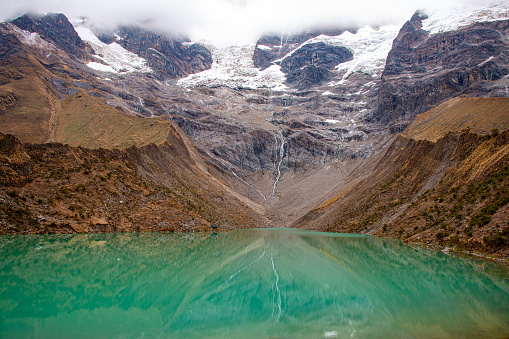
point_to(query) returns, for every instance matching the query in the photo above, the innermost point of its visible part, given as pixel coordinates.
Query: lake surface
(244, 284)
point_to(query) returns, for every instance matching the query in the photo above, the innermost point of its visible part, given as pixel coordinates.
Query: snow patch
(263, 47)
(368, 46)
(117, 59)
(486, 61)
(101, 67)
(28, 38)
(233, 67)
(331, 121)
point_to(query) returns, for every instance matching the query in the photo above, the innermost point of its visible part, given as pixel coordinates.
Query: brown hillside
(54, 188)
(453, 192)
(30, 109)
(28, 105)
(481, 115)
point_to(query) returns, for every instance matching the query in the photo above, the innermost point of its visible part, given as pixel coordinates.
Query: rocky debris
(55, 28)
(15, 164)
(423, 71)
(170, 57)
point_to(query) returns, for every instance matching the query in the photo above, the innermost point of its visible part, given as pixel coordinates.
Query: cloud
(232, 20)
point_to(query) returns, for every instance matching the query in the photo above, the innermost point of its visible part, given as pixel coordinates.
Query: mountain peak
(56, 28)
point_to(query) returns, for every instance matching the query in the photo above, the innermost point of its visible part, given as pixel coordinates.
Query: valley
(399, 131)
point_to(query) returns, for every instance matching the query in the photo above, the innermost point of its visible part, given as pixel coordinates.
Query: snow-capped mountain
(234, 67)
(287, 102)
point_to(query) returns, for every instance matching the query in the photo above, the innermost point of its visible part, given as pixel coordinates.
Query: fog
(232, 21)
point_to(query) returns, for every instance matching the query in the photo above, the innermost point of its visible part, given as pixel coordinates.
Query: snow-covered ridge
(369, 47)
(233, 67)
(455, 18)
(115, 58)
(26, 37)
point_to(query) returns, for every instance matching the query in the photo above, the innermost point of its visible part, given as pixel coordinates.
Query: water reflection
(258, 283)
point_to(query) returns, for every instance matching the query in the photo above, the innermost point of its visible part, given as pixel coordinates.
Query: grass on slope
(29, 119)
(85, 121)
(481, 115)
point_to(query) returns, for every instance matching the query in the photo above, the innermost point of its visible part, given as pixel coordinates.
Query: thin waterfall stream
(279, 159)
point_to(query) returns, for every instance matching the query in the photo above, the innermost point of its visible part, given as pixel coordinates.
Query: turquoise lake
(265, 283)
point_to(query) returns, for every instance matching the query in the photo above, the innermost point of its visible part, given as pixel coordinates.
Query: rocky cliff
(423, 70)
(168, 57)
(54, 28)
(310, 65)
(270, 48)
(306, 65)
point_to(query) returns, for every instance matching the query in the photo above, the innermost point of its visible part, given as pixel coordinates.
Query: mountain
(54, 27)
(306, 129)
(423, 71)
(453, 192)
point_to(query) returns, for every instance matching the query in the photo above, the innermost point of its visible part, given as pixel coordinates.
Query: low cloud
(233, 20)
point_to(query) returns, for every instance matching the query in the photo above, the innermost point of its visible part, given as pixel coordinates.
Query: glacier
(112, 58)
(233, 67)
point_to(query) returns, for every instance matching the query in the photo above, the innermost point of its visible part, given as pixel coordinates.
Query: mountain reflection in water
(250, 284)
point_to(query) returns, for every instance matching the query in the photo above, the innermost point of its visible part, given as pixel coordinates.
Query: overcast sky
(232, 20)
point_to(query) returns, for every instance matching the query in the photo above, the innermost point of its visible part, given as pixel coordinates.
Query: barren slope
(48, 188)
(429, 192)
(481, 115)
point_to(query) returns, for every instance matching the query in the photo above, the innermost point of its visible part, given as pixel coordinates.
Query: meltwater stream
(244, 284)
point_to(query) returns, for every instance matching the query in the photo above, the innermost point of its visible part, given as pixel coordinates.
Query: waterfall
(279, 160)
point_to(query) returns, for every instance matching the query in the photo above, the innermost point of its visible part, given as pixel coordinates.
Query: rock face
(270, 48)
(54, 28)
(316, 54)
(170, 58)
(423, 71)
(305, 65)
(311, 64)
